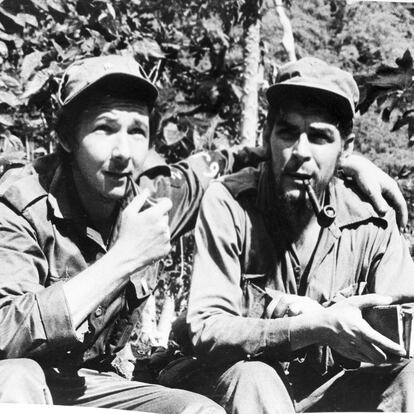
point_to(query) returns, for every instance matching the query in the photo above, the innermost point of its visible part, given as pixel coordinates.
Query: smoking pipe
(325, 215)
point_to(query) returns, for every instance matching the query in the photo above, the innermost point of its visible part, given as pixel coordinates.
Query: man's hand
(144, 236)
(379, 187)
(294, 305)
(345, 331)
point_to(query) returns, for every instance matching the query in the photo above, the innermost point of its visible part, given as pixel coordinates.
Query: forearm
(105, 278)
(226, 338)
(35, 323)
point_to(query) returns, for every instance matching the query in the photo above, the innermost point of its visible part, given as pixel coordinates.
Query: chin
(293, 194)
(114, 193)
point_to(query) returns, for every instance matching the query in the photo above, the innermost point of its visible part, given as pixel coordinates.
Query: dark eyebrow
(143, 125)
(326, 129)
(282, 123)
(105, 117)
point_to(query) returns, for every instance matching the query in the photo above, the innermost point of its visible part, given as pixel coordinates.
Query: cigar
(325, 215)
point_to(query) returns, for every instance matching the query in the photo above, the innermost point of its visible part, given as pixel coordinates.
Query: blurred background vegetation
(212, 61)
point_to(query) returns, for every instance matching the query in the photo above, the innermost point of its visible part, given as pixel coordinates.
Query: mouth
(117, 175)
(298, 176)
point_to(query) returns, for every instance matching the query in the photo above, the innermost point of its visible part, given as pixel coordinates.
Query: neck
(296, 219)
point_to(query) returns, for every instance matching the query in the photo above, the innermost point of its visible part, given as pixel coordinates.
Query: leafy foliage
(393, 90)
(191, 48)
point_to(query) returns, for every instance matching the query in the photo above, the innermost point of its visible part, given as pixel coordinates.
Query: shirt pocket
(255, 299)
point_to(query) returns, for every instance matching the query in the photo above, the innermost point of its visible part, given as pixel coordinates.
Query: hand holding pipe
(325, 215)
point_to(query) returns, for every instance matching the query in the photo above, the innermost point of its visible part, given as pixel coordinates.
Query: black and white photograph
(206, 206)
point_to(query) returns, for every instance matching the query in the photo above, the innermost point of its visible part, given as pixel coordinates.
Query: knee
(22, 380)
(405, 377)
(253, 386)
(254, 375)
(21, 370)
(192, 403)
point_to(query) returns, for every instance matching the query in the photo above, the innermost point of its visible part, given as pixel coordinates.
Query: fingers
(162, 206)
(379, 187)
(374, 337)
(373, 192)
(138, 202)
(367, 352)
(369, 300)
(372, 189)
(396, 199)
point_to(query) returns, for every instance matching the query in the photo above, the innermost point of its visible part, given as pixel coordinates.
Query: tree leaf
(9, 99)
(58, 48)
(406, 61)
(40, 4)
(107, 21)
(172, 134)
(30, 63)
(7, 37)
(11, 22)
(11, 143)
(4, 50)
(10, 82)
(147, 47)
(36, 84)
(238, 93)
(6, 120)
(29, 19)
(56, 5)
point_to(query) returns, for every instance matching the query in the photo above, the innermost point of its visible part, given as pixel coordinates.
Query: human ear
(348, 145)
(65, 143)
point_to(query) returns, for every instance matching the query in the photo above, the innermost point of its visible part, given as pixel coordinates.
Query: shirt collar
(62, 197)
(350, 205)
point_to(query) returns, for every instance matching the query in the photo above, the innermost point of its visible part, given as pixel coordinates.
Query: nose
(301, 149)
(121, 150)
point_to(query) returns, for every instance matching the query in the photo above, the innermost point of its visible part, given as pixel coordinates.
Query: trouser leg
(109, 390)
(399, 395)
(244, 388)
(387, 387)
(23, 381)
(253, 387)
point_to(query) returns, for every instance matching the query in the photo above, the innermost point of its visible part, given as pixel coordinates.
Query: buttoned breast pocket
(255, 298)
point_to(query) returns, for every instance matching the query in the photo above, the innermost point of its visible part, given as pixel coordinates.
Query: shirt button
(99, 311)
(297, 270)
(248, 357)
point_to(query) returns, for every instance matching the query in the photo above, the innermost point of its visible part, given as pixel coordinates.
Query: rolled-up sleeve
(218, 329)
(34, 319)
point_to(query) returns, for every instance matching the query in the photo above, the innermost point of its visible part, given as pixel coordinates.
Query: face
(305, 143)
(111, 143)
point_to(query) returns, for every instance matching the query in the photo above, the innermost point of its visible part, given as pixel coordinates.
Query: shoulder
(23, 186)
(353, 207)
(243, 183)
(220, 206)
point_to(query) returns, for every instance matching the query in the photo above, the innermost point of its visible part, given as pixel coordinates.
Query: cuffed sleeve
(219, 327)
(57, 325)
(34, 319)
